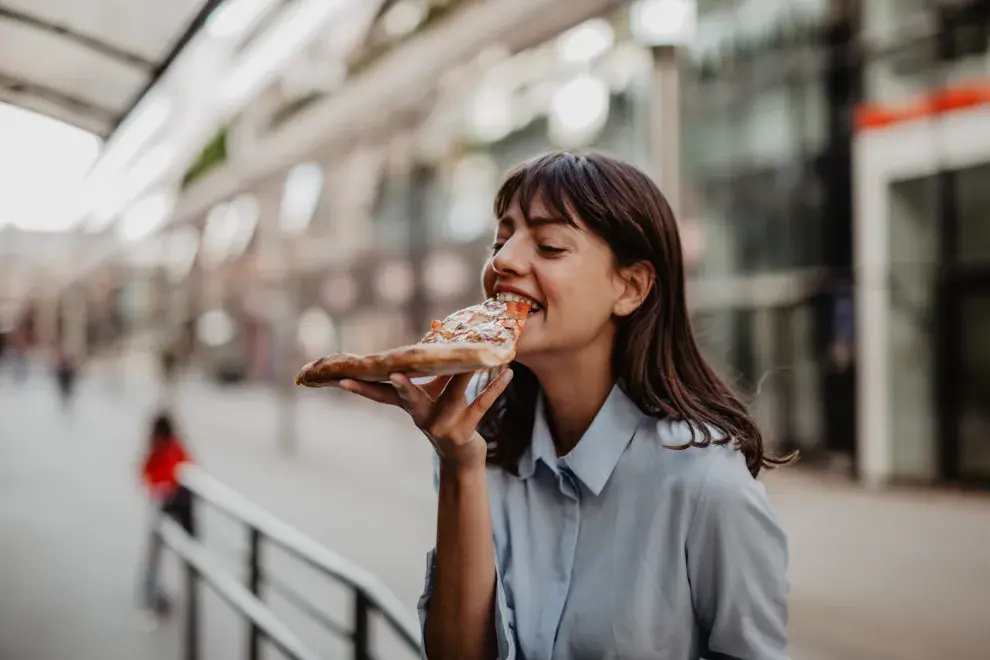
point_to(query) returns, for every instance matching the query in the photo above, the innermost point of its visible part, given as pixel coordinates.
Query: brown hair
(656, 358)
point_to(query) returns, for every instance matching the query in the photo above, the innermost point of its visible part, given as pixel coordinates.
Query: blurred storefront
(766, 90)
(923, 242)
(850, 321)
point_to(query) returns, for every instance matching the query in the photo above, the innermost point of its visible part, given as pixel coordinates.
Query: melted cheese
(491, 322)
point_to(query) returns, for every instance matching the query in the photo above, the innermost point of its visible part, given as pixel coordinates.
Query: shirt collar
(595, 456)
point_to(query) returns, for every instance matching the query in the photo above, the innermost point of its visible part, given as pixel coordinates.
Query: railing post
(361, 607)
(254, 584)
(192, 596)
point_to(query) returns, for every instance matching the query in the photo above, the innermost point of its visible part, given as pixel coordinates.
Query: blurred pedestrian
(169, 366)
(65, 377)
(165, 454)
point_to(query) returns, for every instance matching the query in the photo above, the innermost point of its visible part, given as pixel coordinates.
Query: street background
(213, 193)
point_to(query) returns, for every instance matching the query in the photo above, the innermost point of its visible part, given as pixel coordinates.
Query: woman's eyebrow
(539, 221)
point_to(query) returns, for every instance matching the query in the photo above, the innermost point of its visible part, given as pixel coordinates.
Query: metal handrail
(371, 594)
(260, 615)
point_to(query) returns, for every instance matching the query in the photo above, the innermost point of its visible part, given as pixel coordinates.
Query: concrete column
(178, 310)
(278, 284)
(418, 309)
(287, 362)
(665, 125)
(195, 287)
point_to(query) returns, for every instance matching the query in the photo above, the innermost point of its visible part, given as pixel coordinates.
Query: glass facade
(913, 46)
(767, 159)
(939, 337)
(756, 131)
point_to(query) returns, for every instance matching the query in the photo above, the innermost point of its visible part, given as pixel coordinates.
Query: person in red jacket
(159, 472)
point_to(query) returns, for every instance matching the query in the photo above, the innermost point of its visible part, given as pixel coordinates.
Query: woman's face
(567, 270)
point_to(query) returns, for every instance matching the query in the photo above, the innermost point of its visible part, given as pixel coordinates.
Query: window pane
(973, 204)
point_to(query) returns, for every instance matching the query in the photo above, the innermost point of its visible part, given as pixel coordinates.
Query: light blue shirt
(625, 548)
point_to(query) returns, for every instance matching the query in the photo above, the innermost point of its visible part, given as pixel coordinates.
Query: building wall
(917, 171)
(898, 226)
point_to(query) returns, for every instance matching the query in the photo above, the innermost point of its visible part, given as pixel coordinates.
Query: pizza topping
(494, 321)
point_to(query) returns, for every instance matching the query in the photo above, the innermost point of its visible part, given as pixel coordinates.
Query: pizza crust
(415, 361)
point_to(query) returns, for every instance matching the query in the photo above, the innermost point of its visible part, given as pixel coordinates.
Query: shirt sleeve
(505, 624)
(737, 566)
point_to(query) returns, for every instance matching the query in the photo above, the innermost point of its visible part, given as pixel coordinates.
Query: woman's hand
(441, 410)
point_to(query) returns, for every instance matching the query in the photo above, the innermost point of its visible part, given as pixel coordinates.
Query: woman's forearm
(460, 622)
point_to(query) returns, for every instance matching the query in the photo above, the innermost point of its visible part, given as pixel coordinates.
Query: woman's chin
(528, 349)
(523, 351)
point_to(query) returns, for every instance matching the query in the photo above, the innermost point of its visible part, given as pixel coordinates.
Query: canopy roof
(87, 63)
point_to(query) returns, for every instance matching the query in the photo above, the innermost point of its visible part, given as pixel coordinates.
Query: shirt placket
(571, 506)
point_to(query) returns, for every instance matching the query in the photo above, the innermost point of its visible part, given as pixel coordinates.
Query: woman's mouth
(534, 306)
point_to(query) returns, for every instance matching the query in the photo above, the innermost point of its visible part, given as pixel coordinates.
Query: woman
(159, 472)
(604, 504)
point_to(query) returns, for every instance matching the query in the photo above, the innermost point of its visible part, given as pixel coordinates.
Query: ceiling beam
(195, 25)
(58, 97)
(90, 42)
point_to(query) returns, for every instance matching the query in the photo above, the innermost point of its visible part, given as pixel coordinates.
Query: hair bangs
(552, 180)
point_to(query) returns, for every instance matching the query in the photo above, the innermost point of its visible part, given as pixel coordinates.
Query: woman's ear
(636, 281)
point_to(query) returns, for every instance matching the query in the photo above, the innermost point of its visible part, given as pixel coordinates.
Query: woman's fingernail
(507, 374)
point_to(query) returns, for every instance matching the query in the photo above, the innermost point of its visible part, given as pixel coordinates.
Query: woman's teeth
(515, 297)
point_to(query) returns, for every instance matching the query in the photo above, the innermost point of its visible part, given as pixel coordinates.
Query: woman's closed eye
(550, 250)
(544, 248)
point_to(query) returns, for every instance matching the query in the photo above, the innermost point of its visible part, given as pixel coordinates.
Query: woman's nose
(511, 259)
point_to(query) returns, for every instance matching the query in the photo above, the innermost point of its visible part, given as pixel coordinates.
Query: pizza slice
(478, 337)
(498, 321)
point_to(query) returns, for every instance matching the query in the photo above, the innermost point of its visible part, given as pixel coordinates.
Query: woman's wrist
(463, 459)
(462, 471)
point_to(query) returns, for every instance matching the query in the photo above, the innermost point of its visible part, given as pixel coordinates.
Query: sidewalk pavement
(874, 575)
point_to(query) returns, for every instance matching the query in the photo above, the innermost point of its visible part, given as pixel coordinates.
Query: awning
(87, 63)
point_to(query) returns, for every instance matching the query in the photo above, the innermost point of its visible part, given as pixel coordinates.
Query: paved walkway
(899, 575)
